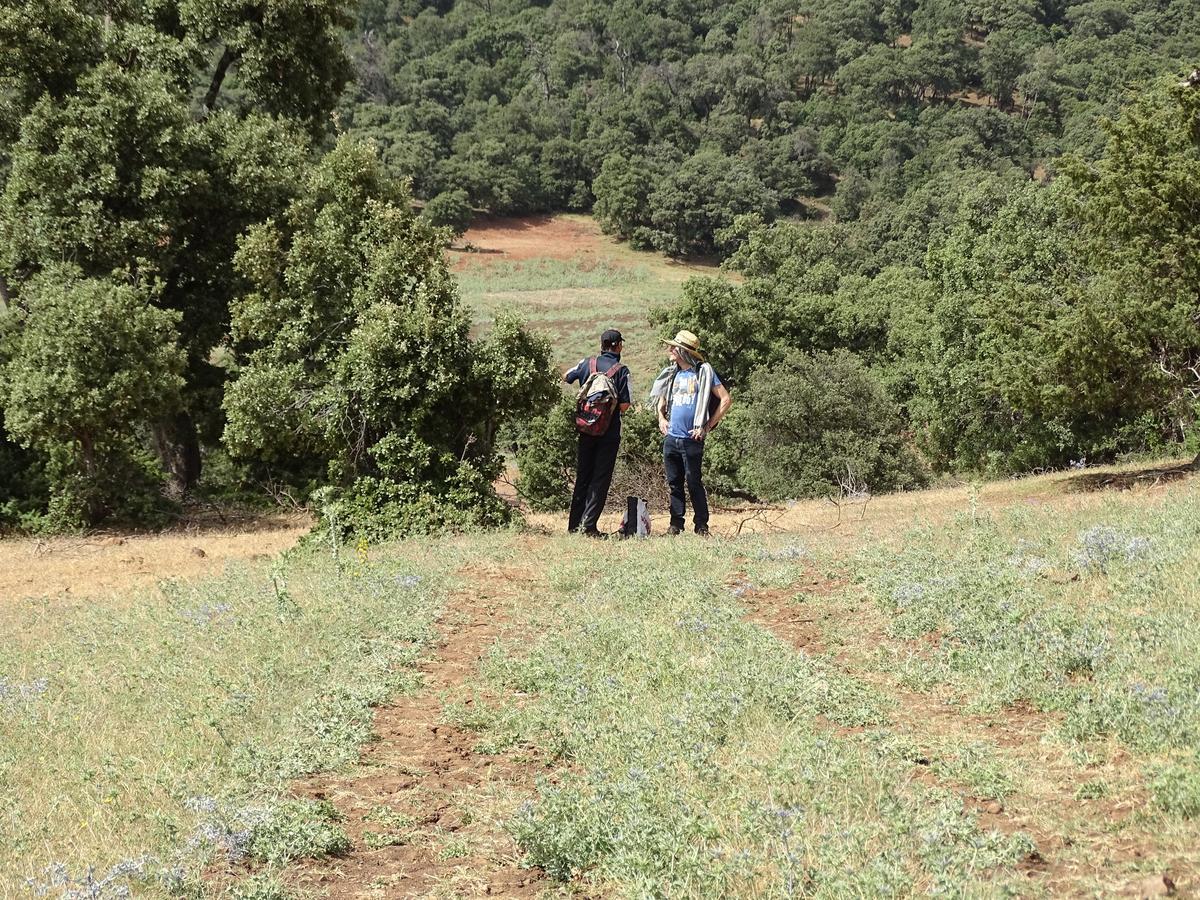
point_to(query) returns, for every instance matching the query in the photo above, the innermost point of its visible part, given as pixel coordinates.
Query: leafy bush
(299, 828)
(819, 423)
(546, 449)
(80, 400)
(639, 471)
(451, 209)
(692, 204)
(546, 452)
(22, 484)
(358, 360)
(1176, 789)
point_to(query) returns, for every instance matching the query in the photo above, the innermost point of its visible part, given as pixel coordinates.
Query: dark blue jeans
(682, 458)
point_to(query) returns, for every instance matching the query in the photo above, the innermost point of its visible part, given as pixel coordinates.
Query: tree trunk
(178, 447)
(1196, 463)
(214, 87)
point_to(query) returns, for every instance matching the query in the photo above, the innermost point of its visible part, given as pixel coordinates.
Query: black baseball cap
(612, 336)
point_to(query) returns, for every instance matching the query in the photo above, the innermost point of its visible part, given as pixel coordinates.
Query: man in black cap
(598, 453)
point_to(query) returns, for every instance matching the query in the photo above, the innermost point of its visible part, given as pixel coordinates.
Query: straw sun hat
(685, 340)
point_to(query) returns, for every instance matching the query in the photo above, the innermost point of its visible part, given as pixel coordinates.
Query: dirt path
(1080, 845)
(424, 811)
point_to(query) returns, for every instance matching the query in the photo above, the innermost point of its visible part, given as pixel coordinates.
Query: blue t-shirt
(683, 402)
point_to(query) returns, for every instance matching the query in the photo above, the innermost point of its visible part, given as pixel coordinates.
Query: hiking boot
(702, 531)
(594, 533)
(674, 530)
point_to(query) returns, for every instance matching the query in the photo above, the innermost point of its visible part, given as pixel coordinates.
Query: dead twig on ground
(759, 516)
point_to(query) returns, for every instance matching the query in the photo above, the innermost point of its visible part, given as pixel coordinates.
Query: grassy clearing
(1057, 642)
(1096, 617)
(140, 741)
(573, 301)
(1004, 703)
(702, 757)
(1002, 697)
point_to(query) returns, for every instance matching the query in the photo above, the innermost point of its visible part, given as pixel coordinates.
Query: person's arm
(726, 401)
(576, 373)
(661, 408)
(625, 394)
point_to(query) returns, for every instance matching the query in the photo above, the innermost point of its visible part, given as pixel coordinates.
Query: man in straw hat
(690, 400)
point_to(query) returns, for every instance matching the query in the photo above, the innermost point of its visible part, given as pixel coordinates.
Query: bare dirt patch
(106, 564)
(561, 236)
(782, 612)
(407, 809)
(535, 237)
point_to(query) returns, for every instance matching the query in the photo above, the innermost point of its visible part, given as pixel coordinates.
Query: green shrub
(299, 828)
(22, 484)
(821, 424)
(450, 209)
(379, 508)
(1176, 789)
(546, 452)
(639, 470)
(546, 449)
(84, 402)
(359, 363)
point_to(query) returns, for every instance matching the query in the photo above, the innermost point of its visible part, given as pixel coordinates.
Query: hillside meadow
(571, 281)
(983, 690)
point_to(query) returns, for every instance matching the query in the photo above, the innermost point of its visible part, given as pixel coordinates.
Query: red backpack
(597, 401)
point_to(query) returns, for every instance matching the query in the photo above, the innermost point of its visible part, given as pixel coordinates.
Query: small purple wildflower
(789, 553)
(1103, 544)
(173, 879)
(113, 884)
(1026, 560)
(695, 625)
(201, 804)
(229, 834)
(14, 692)
(233, 842)
(906, 594)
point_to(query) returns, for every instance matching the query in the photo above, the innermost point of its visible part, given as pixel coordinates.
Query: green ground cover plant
(143, 739)
(1091, 616)
(701, 756)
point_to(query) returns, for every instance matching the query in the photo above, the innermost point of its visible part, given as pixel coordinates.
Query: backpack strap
(592, 365)
(611, 374)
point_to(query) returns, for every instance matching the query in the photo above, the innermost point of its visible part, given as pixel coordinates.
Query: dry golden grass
(107, 565)
(887, 517)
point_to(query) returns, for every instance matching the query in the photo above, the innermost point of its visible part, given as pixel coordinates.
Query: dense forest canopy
(991, 206)
(194, 277)
(670, 118)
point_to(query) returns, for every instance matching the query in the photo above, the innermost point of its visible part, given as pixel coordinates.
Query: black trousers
(593, 474)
